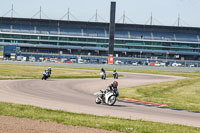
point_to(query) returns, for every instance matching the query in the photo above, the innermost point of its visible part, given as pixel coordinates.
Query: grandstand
(36, 37)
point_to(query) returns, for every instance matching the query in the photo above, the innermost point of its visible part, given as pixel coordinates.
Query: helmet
(49, 68)
(115, 84)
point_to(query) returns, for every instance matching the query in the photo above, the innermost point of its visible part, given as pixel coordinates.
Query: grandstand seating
(5, 27)
(100, 32)
(94, 32)
(121, 34)
(163, 36)
(23, 28)
(186, 37)
(70, 31)
(46, 30)
(140, 35)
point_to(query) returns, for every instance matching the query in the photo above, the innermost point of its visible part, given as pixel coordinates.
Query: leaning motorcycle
(115, 75)
(105, 96)
(103, 75)
(44, 76)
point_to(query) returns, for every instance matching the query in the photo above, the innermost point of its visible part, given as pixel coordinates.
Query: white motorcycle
(106, 96)
(103, 75)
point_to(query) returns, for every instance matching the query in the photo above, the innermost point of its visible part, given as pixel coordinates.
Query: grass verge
(107, 123)
(179, 94)
(9, 71)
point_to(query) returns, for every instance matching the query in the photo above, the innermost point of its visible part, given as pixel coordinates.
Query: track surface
(76, 95)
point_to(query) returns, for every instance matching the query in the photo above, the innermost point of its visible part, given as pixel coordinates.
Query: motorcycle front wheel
(111, 100)
(98, 101)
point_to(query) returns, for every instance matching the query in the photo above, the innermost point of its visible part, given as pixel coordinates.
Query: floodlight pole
(12, 11)
(96, 16)
(68, 15)
(40, 12)
(178, 20)
(151, 20)
(124, 17)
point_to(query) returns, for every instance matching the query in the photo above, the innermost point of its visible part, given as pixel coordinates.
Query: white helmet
(49, 68)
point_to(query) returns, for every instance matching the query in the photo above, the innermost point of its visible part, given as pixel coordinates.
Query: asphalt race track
(76, 95)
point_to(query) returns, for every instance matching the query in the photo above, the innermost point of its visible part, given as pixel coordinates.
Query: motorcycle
(115, 75)
(103, 75)
(105, 96)
(46, 75)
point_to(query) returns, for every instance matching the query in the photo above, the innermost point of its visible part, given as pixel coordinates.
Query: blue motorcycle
(46, 74)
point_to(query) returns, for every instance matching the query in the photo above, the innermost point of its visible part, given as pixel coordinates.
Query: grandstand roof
(84, 24)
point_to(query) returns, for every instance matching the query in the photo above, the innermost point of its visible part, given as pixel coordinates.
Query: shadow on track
(119, 106)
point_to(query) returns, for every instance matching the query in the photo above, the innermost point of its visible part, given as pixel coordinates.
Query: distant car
(81, 61)
(32, 59)
(135, 63)
(104, 62)
(163, 64)
(192, 65)
(118, 62)
(176, 64)
(69, 62)
(73, 60)
(157, 64)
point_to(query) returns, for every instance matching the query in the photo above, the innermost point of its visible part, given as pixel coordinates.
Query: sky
(164, 12)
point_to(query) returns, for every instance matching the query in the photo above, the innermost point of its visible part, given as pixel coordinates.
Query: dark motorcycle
(103, 75)
(115, 75)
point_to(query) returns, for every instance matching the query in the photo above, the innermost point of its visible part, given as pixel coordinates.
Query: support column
(112, 29)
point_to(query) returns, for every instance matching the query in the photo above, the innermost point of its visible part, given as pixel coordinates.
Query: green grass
(35, 72)
(106, 122)
(179, 94)
(1, 53)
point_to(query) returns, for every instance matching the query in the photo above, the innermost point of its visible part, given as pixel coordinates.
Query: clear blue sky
(165, 12)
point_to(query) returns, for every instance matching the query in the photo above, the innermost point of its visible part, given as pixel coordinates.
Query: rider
(49, 69)
(113, 87)
(114, 72)
(44, 74)
(102, 70)
(49, 72)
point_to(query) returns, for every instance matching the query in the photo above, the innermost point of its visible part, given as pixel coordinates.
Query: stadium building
(59, 38)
